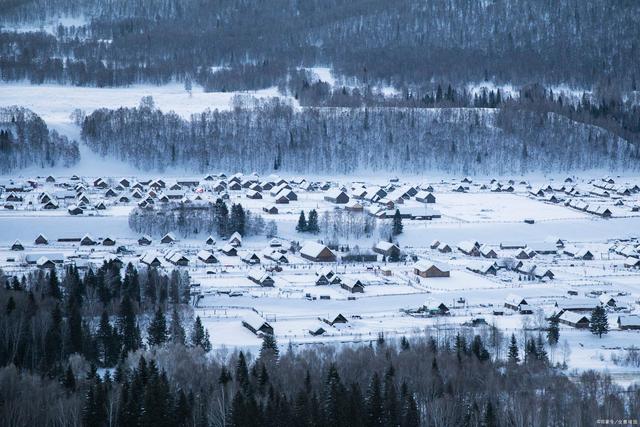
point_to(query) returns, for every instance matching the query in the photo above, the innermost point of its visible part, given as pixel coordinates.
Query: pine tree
(540, 350)
(312, 224)
(54, 285)
(478, 349)
(128, 326)
(553, 332)
(302, 223)
(333, 395)
(76, 335)
(104, 339)
(397, 226)
(269, 349)
(599, 324)
(157, 332)
(200, 336)
(375, 409)
(176, 330)
(513, 356)
(404, 343)
(53, 339)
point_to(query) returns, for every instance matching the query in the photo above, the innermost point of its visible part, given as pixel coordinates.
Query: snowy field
(394, 299)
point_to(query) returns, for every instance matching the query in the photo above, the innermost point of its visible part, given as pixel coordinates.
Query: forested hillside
(400, 43)
(57, 332)
(26, 141)
(339, 140)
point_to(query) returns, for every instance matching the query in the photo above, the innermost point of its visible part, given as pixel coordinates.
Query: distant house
(17, 246)
(532, 270)
(88, 240)
(75, 210)
(235, 240)
(387, 249)
(444, 248)
(429, 269)
(252, 194)
(425, 197)
(261, 278)
(229, 250)
(41, 240)
(352, 286)
(210, 241)
(515, 302)
(168, 238)
(177, 258)
(522, 254)
(632, 262)
(108, 241)
(45, 263)
(317, 252)
(488, 252)
(469, 248)
(317, 330)
(513, 245)
(250, 258)
(484, 268)
(436, 308)
(336, 196)
(256, 324)
(271, 209)
(607, 300)
(207, 257)
(435, 244)
(151, 259)
(575, 320)
(334, 318)
(629, 321)
(144, 240)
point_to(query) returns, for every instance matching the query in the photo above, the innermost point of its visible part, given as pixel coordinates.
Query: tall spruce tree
(176, 331)
(312, 223)
(396, 226)
(200, 336)
(513, 354)
(599, 323)
(128, 326)
(54, 285)
(302, 223)
(157, 331)
(553, 331)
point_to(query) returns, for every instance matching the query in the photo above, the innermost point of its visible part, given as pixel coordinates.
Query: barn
(207, 257)
(429, 269)
(256, 324)
(317, 252)
(336, 196)
(575, 320)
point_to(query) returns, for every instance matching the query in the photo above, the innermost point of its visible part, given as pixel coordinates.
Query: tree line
(193, 219)
(26, 141)
(404, 44)
(340, 140)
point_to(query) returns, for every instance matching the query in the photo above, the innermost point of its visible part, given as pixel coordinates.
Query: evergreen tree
(200, 336)
(105, 340)
(128, 326)
(269, 349)
(396, 227)
(53, 339)
(553, 331)
(76, 338)
(599, 324)
(312, 224)
(302, 223)
(333, 396)
(176, 331)
(54, 285)
(478, 349)
(513, 355)
(375, 409)
(404, 343)
(157, 331)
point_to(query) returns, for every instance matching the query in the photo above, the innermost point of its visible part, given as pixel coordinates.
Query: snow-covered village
(313, 261)
(345, 213)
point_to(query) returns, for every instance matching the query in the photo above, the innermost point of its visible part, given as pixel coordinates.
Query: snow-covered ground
(296, 305)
